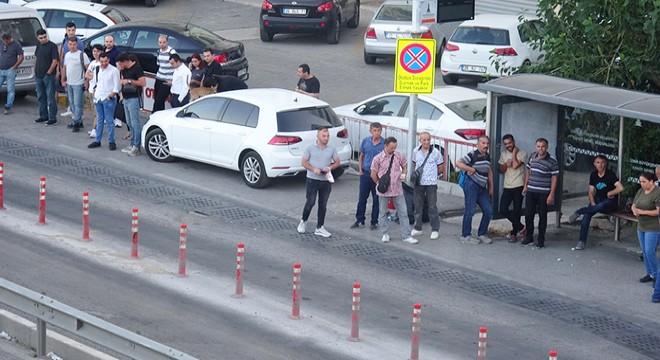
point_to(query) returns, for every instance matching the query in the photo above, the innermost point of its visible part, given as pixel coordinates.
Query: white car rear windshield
(470, 110)
(480, 36)
(307, 119)
(395, 13)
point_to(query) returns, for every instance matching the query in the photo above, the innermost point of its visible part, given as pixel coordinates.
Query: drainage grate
(161, 191)
(451, 276)
(273, 225)
(124, 181)
(642, 343)
(309, 236)
(601, 324)
(93, 171)
(196, 202)
(26, 152)
(234, 213)
(6, 143)
(549, 306)
(404, 263)
(496, 290)
(59, 161)
(361, 249)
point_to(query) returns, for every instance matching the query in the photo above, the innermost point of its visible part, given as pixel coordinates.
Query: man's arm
(515, 162)
(305, 163)
(360, 160)
(553, 187)
(618, 189)
(527, 173)
(18, 61)
(591, 194)
(374, 175)
(491, 190)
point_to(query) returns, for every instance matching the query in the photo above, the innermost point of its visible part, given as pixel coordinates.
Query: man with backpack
(73, 80)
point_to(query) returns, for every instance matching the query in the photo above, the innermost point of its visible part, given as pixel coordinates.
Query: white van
(23, 24)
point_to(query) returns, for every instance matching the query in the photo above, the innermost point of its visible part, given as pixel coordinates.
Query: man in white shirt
(73, 79)
(179, 91)
(105, 86)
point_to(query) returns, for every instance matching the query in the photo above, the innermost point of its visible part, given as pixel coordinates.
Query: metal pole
(619, 170)
(41, 338)
(412, 124)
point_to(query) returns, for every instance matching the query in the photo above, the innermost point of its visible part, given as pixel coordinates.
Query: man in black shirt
(132, 82)
(308, 84)
(604, 188)
(212, 70)
(46, 55)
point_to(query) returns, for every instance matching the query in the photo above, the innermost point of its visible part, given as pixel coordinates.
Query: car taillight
(265, 5)
(220, 58)
(343, 134)
(284, 140)
(451, 47)
(325, 7)
(470, 134)
(505, 52)
(427, 35)
(370, 34)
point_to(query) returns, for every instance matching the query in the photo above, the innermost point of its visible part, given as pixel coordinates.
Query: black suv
(308, 16)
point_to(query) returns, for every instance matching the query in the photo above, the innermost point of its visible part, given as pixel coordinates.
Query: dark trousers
(515, 196)
(174, 100)
(323, 189)
(430, 194)
(602, 206)
(162, 92)
(536, 202)
(367, 186)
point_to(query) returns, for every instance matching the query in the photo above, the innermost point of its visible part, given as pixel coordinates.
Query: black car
(141, 38)
(308, 16)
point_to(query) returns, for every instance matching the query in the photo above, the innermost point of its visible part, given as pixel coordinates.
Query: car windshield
(115, 15)
(202, 35)
(395, 13)
(470, 110)
(307, 119)
(480, 36)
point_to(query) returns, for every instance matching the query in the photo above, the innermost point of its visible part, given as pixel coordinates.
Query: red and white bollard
(182, 250)
(483, 336)
(85, 215)
(240, 255)
(295, 310)
(42, 200)
(134, 233)
(553, 355)
(355, 314)
(2, 186)
(416, 329)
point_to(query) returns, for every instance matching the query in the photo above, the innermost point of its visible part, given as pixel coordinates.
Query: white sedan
(260, 132)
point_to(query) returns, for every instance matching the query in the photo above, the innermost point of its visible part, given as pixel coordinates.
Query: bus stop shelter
(531, 106)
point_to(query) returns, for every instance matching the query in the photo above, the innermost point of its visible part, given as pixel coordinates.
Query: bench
(620, 215)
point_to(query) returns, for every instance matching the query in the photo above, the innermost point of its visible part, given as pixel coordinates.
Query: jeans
(476, 195)
(401, 210)
(648, 242)
(174, 100)
(76, 101)
(430, 193)
(132, 110)
(515, 196)
(46, 97)
(536, 202)
(162, 92)
(367, 186)
(602, 206)
(9, 76)
(105, 114)
(323, 189)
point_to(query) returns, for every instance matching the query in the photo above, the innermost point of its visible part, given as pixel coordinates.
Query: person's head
(42, 36)
(390, 145)
(509, 142)
(600, 163)
(483, 142)
(124, 60)
(109, 41)
(542, 147)
(175, 60)
(323, 136)
(303, 71)
(163, 43)
(375, 128)
(6, 38)
(196, 61)
(73, 43)
(208, 55)
(425, 140)
(70, 29)
(657, 172)
(97, 49)
(646, 179)
(104, 60)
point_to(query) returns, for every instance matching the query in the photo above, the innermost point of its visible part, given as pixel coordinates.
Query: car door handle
(207, 128)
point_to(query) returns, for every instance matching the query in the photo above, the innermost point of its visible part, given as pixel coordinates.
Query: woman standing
(645, 208)
(196, 70)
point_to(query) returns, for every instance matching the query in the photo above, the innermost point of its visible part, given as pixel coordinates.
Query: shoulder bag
(384, 181)
(416, 175)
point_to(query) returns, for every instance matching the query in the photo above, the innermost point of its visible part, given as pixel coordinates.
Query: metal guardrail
(101, 332)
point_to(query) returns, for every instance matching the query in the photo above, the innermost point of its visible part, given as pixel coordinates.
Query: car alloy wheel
(158, 147)
(150, 3)
(333, 34)
(253, 170)
(355, 20)
(570, 155)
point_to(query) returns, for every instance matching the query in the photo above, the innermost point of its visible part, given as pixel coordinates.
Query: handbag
(416, 175)
(462, 175)
(384, 181)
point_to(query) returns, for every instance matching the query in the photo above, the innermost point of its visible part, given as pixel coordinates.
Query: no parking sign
(415, 66)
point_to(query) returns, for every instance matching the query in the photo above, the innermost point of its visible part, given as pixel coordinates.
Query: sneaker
(7, 110)
(118, 123)
(40, 120)
(469, 240)
(76, 128)
(322, 232)
(416, 232)
(373, 226)
(573, 218)
(485, 239)
(112, 146)
(127, 149)
(301, 227)
(580, 245)
(51, 123)
(411, 240)
(69, 126)
(92, 133)
(67, 113)
(434, 235)
(385, 239)
(511, 238)
(646, 278)
(526, 242)
(134, 152)
(356, 225)
(95, 144)
(540, 246)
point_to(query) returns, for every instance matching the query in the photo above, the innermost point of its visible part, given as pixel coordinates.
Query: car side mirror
(361, 109)
(181, 113)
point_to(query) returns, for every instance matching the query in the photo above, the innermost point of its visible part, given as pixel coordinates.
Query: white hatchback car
(260, 132)
(89, 18)
(476, 46)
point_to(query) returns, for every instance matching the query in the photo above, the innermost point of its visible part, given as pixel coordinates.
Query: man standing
(44, 72)
(308, 84)
(604, 188)
(392, 163)
(319, 159)
(370, 147)
(73, 79)
(94, 65)
(478, 190)
(132, 81)
(111, 49)
(432, 164)
(10, 58)
(179, 90)
(105, 86)
(212, 69)
(539, 189)
(70, 30)
(512, 161)
(164, 74)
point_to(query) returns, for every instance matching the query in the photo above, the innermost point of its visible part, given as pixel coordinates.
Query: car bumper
(454, 66)
(375, 47)
(275, 24)
(238, 68)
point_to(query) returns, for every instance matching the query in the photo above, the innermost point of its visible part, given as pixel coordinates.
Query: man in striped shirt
(164, 75)
(478, 190)
(539, 190)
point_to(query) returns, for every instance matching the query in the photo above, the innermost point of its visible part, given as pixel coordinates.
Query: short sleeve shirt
(311, 85)
(134, 72)
(604, 184)
(542, 171)
(44, 54)
(370, 151)
(430, 171)
(648, 201)
(75, 71)
(319, 158)
(9, 54)
(381, 163)
(513, 178)
(481, 163)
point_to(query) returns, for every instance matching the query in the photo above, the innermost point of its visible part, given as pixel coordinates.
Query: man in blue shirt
(371, 146)
(11, 57)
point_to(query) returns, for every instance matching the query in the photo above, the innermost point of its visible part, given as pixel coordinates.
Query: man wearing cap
(10, 58)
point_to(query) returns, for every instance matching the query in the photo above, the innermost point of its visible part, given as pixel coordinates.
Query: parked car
(260, 132)
(141, 38)
(149, 3)
(490, 46)
(308, 16)
(450, 112)
(89, 18)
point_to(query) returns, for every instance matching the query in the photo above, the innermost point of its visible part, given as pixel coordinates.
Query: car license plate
(242, 72)
(294, 11)
(24, 71)
(474, 68)
(397, 35)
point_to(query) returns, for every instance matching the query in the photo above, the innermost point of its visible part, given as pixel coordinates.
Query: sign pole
(412, 122)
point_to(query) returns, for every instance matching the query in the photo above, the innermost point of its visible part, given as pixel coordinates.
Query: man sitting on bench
(604, 188)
